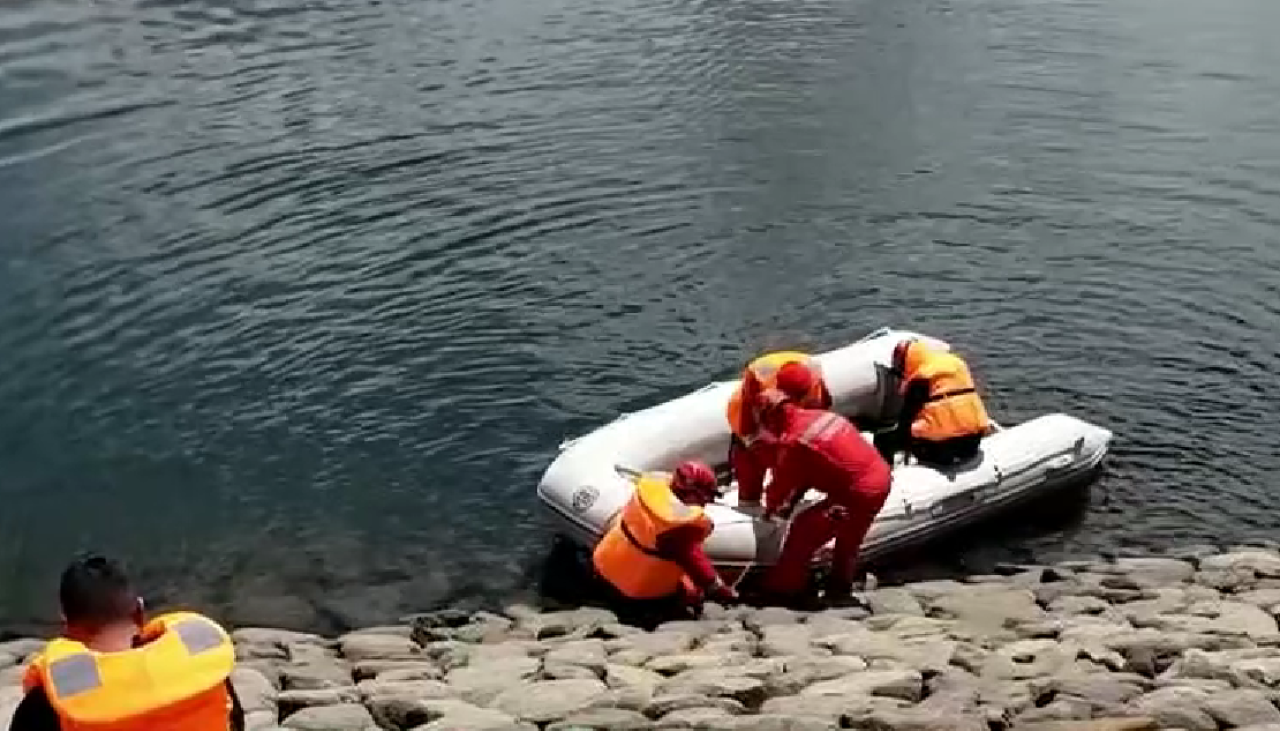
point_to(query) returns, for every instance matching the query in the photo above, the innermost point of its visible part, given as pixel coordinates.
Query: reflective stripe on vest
(821, 429)
(74, 675)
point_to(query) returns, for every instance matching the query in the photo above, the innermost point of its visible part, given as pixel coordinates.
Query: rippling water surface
(297, 298)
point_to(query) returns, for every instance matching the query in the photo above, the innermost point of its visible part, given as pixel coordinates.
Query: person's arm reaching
(785, 486)
(684, 546)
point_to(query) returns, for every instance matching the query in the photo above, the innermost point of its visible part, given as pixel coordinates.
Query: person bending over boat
(822, 450)
(750, 455)
(942, 420)
(652, 557)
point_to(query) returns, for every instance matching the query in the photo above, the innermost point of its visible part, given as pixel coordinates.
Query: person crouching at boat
(822, 450)
(750, 455)
(942, 420)
(652, 557)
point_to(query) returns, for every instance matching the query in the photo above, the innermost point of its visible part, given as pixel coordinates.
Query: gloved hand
(722, 592)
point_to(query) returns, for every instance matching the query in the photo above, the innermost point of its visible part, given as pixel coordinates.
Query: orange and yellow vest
(176, 681)
(628, 556)
(759, 378)
(954, 408)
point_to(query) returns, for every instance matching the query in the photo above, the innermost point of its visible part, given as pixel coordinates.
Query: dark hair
(95, 590)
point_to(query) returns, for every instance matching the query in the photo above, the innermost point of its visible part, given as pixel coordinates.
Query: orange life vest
(954, 408)
(759, 378)
(628, 556)
(177, 680)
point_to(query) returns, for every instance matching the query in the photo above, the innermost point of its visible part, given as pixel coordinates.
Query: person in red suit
(818, 449)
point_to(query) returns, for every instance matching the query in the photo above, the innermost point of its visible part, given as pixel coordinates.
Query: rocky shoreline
(1188, 641)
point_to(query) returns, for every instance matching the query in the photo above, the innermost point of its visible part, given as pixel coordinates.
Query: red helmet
(694, 479)
(796, 380)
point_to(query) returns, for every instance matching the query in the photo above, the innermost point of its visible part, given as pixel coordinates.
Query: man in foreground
(818, 449)
(113, 671)
(652, 556)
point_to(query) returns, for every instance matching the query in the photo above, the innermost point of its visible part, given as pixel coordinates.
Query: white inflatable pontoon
(591, 479)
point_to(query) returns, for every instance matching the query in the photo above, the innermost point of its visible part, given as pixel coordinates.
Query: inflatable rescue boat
(593, 475)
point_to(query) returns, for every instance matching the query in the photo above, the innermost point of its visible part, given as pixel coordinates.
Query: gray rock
(347, 717)
(396, 670)
(1261, 563)
(798, 673)
(1027, 659)
(929, 590)
(779, 640)
(1262, 672)
(904, 684)
(675, 664)
(261, 721)
(993, 607)
(403, 630)
(1112, 688)
(560, 671)
(253, 689)
(826, 624)
(484, 628)
(692, 719)
(453, 715)
(9, 700)
(359, 647)
(730, 642)
(22, 649)
(576, 623)
(1241, 708)
(316, 676)
(1071, 605)
(756, 620)
(640, 682)
(270, 643)
(893, 600)
(1096, 724)
(664, 704)
(1066, 708)
(927, 654)
(550, 700)
(765, 722)
(716, 684)
(833, 708)
(479, 684)
(1156, 571)
(640, 649)
(480, 654)
(291, 701)
(589, 654)
(1177, 707)
(399, 705)
(603, 719)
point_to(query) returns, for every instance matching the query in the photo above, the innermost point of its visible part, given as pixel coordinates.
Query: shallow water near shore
(297, 300)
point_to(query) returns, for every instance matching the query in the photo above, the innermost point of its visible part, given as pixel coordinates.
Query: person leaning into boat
(818, 449)
(652, 556)
(942, 420)
(112, 671)
(750, 456)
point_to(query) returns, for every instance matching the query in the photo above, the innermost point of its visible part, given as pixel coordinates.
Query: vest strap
(631, 538)
(949, 394)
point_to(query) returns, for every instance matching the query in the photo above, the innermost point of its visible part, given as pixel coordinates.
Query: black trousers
(644, 613)
(942, 453)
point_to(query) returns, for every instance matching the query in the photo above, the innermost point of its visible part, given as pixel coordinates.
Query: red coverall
(821, 450)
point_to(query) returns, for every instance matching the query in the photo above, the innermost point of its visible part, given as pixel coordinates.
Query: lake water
(297, 298)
